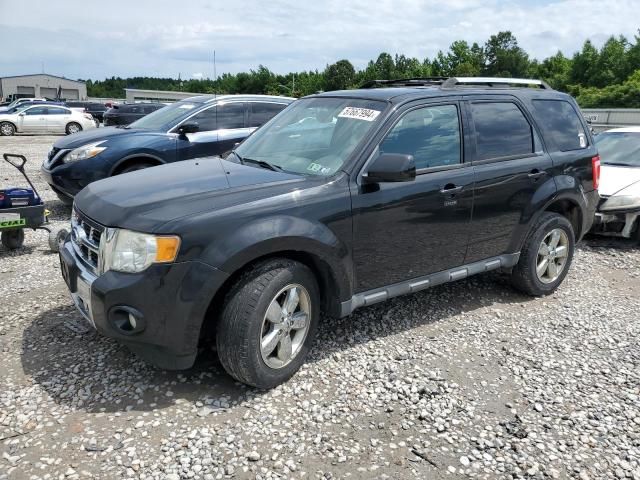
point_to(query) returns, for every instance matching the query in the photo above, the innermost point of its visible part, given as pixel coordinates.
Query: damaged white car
(619, 210)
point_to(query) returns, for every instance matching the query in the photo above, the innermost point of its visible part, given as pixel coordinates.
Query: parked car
(195, 127)
(395, 190)
(21, 101)
(126, 113)
(96, 109)
(619, 208)
(45, 119)
(22, 106)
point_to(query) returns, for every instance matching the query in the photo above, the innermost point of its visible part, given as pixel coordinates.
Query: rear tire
(13, 239)
(546, 256)
(275, 300)
(72, 128)
(7, 129)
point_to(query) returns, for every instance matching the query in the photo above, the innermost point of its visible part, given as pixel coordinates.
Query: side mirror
(191, 127)
(21, 114)
(391, 167)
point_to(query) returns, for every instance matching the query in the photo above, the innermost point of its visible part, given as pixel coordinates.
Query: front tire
(73, 127)
(7, 129)
(68, 201)
(268, 323)
(546, 256)
(135, 167)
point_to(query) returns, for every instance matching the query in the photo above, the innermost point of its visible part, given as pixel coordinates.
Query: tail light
(595, 166)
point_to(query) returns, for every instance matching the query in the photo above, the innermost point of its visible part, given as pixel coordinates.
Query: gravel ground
(464, 380)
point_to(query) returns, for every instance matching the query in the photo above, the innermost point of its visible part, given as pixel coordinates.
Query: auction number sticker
(359, 113)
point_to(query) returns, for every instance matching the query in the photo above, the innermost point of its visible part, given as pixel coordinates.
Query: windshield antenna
(215, 75)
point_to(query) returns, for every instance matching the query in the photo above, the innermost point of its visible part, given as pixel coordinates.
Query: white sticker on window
(359, 113)
(583, 140)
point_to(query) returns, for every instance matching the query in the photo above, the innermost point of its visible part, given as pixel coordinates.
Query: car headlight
(627, 198)
(84, 152)
(127, 251)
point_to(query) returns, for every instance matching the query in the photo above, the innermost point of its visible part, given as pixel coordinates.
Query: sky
(158, 38)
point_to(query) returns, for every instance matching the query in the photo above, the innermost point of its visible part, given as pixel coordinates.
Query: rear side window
(57, 111)
(261, 113)
(560, 122)
(230, 115)
(501, 130)
(431, 135)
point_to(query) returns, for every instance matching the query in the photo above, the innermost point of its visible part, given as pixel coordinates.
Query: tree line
(605, 77)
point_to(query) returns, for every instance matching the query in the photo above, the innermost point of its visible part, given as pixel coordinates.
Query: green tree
(339, 76)
(504, 57)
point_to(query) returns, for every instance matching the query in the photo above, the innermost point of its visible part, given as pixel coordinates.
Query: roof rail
(404, 82)
(494, 82)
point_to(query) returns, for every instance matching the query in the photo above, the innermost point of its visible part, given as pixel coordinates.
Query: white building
(43, 85)
(164, 96)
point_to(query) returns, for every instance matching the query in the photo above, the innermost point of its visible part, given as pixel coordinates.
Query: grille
(53, 152)
(85, 238)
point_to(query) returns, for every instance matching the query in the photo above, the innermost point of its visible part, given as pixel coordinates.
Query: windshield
(313, 136)
(166, 117)
(619, 148)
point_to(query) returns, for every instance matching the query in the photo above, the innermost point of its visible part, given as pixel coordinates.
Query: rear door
(57, 119)
(511, 170)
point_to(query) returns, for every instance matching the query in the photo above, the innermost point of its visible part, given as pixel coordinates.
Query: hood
(146, 199)
(98, 134)
(614, 178)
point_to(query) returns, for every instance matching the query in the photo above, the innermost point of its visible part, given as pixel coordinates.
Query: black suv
(126, 113)
(96, 109)
(342, 200)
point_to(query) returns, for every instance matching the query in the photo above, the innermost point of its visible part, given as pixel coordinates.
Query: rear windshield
(619, 148)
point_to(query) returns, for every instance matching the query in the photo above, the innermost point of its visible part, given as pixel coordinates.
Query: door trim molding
(380, 294)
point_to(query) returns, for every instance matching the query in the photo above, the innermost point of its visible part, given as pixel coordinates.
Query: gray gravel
(468, 379)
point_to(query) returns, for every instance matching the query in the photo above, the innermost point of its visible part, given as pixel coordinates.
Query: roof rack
(404, 82)
(494, 82)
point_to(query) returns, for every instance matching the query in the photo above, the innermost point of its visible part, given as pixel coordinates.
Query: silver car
(45, 119)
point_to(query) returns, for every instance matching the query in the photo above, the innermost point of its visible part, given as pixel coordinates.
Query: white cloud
(158, 38)
(198, 76)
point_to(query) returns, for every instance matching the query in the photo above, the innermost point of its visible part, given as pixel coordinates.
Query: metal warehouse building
(164, 96)
(43, 85)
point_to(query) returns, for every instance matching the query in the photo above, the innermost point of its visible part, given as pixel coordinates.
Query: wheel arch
(132, 159)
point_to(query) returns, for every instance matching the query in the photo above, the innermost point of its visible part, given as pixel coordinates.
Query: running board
(381, 294)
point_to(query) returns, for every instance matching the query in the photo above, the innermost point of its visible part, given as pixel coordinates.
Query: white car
(21, 101)
(619, 210)
(45, 119)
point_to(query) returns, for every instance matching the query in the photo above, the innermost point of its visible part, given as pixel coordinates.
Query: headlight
(126, 251)
(627, 198)
(84, 152)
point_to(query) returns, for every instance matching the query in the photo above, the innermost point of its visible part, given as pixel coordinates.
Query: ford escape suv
(342, 200)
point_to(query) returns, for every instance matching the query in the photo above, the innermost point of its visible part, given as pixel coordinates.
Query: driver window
(430, 134)
(36, 111)
(205, 119)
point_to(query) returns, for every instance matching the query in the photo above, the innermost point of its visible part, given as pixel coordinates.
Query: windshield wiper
(263, 164)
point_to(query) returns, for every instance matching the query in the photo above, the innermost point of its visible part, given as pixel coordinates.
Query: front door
(408, 229)
(33, 120)
(220, 128)
(510, 166)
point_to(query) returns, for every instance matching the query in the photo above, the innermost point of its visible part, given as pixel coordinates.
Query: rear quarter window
(560, 124)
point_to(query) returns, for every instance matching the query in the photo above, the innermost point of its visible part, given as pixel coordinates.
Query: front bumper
(170, 302)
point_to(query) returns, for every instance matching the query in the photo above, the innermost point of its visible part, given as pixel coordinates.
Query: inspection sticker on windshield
(359, 113)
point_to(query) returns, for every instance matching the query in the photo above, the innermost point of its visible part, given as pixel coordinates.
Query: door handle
(535, 173)
(450, 189)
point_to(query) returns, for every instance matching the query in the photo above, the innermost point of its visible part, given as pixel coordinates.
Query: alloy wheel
(552, 255)
(285, 326)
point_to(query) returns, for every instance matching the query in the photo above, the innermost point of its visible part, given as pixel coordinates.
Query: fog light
(126, 320)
